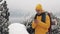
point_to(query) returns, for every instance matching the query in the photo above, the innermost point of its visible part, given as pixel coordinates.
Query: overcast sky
(29, 5)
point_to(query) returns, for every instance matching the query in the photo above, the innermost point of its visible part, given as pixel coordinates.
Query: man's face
(38, 11)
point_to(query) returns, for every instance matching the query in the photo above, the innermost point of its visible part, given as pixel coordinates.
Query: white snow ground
(17, 28)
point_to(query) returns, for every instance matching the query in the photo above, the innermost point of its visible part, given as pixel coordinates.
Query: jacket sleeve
(45, 25)
(33, 25)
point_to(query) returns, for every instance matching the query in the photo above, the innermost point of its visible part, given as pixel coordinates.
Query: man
(40, 26)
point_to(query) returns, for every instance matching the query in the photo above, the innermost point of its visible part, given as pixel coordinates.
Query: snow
(17, 28)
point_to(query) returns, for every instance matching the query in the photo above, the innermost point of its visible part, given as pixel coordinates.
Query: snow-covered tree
(4, 15)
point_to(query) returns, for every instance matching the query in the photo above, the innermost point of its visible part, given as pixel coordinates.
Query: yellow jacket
(41, 27)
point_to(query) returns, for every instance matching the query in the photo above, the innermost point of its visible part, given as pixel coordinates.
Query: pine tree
(5, 17)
